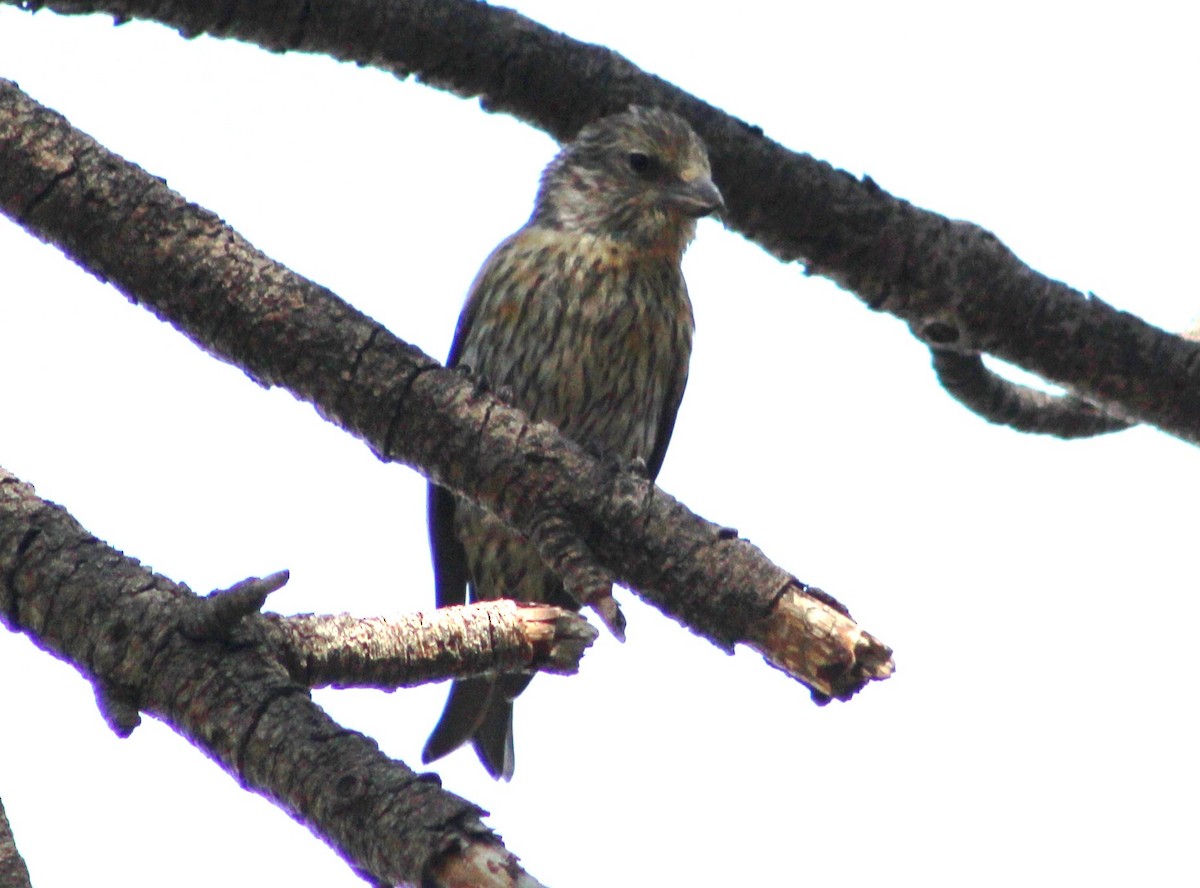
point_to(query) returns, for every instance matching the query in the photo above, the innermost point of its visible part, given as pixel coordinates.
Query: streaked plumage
(583, 319)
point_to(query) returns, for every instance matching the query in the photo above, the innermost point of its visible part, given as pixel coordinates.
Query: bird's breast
(587, 333)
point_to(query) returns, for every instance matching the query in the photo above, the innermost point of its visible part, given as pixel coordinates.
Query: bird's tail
(479, 710)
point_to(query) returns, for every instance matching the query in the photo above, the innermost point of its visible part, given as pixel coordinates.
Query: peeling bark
(402, 652)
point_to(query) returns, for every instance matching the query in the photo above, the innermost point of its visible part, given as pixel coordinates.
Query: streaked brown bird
(581, 318)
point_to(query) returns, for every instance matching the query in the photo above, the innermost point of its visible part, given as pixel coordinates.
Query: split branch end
(821, 646)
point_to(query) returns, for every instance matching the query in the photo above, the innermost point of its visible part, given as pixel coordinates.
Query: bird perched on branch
(582, 319)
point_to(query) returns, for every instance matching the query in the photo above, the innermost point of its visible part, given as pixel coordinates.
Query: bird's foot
(616, 463)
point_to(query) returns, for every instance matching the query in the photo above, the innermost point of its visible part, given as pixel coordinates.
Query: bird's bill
(696, 198)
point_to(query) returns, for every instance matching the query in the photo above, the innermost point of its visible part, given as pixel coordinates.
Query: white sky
(1040, 595)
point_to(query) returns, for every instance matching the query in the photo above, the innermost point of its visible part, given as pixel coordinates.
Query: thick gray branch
(956, 284)
(190, 269)
(126, 630)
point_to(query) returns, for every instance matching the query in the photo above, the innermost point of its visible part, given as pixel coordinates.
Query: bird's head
(642, 176)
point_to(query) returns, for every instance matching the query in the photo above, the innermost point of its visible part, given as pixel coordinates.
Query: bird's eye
(642, 164)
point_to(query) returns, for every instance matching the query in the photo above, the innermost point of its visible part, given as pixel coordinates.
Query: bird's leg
(483, 385)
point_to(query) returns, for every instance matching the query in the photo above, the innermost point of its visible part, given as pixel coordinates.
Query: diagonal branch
(127, 630)
(956, 285)
(13, 872)
(190, 269)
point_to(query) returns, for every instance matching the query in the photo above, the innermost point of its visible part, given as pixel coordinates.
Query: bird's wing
(450, 569)
(484, 281)
(666, 424)
(449, 558)
(666, 421)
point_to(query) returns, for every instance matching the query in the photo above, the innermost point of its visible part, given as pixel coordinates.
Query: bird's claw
(610, 615)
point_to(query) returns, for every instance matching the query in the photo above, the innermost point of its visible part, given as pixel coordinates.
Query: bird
(580, 318)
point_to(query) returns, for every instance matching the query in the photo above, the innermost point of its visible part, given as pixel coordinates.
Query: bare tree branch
(190, 269)
(453, 642)
(1019, 407)
(958, 287)
(13, 872)
(403, 652)
(126, 629)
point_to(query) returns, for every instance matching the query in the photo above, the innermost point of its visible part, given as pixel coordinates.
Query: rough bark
(13, 872)
(958, 287)
(402, 652)
(998, 400)
(186, 266)
(131, 633)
